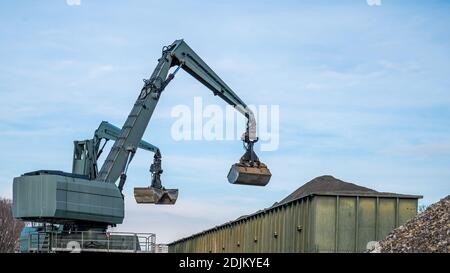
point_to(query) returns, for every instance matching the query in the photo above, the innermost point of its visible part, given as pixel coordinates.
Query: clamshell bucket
(257, 175)
(249, 170)
(153, 195)
(156, 193)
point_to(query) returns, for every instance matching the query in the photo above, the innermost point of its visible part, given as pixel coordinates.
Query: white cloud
(73, 2)
(398, 66)
(373, 2)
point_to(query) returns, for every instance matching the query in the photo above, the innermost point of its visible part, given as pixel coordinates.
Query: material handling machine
(88, 199)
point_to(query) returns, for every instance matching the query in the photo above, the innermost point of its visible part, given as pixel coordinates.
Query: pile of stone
(326, 183)
(429, 231)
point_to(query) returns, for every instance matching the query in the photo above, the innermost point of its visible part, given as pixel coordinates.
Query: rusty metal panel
(275, 232)
(367, 221)
(267, 232)
(249, 234)
(236, 238)
(231, 239)
(288, 235)
(220, 243)
(300, 222)
(300, 215)
(281, 229)
(325, 224)
(386, 216)
(347, 224)
(254, 236)
(407, 210)
(246, 235)
(260, 233)
(289, 224)
(239, 237)
(230, 243)
(309, 222)
(274, 238)
(257, 235)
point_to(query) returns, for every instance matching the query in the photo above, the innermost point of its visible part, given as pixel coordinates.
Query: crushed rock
(429, 231)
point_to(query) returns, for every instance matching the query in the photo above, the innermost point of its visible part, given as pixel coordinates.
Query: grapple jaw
(244, 174)
(156, 193)
(249, 170)
(157, 196)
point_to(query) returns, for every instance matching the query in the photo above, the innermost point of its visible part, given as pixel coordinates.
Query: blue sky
(363, 93)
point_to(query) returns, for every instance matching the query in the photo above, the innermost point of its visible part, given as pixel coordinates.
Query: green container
(317, 222)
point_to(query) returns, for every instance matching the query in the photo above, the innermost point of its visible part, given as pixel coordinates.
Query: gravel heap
(429, 231)
(326, 183)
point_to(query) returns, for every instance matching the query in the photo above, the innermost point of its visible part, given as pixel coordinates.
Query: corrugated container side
(315, 223)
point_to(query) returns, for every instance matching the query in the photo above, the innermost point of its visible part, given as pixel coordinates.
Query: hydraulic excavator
(88, 199)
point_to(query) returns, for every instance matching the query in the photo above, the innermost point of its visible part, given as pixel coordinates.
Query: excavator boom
(249, 171)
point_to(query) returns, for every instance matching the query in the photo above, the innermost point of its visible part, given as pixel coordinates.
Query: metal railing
(88, 241)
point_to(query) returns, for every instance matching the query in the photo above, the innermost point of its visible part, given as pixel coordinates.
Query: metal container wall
(321, 222)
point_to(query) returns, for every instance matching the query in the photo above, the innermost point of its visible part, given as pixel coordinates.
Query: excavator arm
(197, 68)
(108, 131)
(248, 171)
